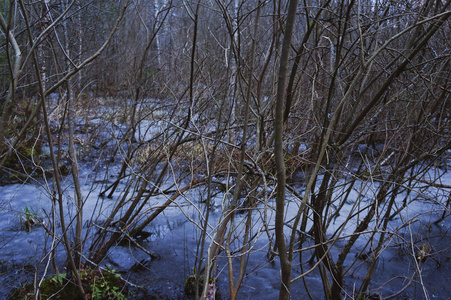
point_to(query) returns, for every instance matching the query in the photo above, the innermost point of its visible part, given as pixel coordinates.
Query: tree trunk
(285, 263)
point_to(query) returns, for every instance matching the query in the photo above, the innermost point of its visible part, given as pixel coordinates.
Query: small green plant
(97, 284)
(29, 219)
(104, 287)
(58, 279)
(105, 291)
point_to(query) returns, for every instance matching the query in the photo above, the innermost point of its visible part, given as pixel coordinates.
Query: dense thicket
(345, 112)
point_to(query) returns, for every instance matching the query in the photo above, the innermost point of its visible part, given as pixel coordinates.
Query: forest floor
(174, 236)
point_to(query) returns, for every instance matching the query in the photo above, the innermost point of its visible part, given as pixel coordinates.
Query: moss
(16, 177)
(21, 161)
(56, 285)
(190, 286)
(30, 152)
